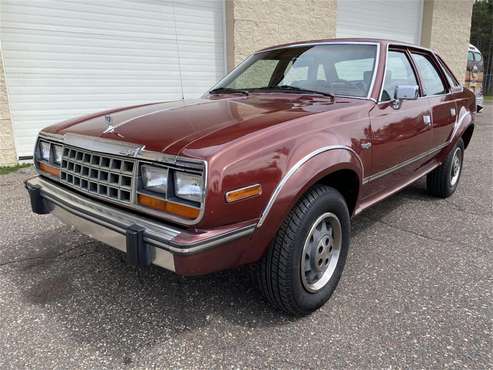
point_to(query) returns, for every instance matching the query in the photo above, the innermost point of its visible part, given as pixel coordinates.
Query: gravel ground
(416, 293)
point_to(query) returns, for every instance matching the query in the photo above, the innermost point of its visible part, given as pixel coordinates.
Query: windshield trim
(375, 69)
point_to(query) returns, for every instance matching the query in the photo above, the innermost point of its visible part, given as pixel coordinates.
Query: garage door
(64, 58)
(387, 19)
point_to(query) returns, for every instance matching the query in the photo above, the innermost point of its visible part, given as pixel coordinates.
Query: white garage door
(64, 58)
(388, 19)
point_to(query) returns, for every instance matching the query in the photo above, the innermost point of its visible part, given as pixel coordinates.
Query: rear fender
(464, 121)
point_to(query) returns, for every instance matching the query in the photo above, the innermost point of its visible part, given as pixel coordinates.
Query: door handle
(427, 120)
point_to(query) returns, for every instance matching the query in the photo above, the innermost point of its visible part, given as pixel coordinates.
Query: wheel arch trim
(295, 168)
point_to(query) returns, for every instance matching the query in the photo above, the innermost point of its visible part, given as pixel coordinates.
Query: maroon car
(265, 169)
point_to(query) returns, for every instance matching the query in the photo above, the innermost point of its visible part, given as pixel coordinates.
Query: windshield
(337, 69)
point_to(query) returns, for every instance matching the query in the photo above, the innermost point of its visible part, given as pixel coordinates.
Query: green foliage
(482, 37)
(8, 169)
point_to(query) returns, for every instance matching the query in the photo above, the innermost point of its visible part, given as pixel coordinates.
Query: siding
(66, 58)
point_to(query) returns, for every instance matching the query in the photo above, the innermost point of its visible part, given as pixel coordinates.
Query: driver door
(399, 136)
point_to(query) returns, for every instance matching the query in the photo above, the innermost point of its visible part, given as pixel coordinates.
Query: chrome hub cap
(456, 167)
(321, 252)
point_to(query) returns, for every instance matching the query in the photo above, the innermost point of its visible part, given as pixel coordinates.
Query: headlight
(58, 152)
(44, 151)
(188, 186)
(154, 178)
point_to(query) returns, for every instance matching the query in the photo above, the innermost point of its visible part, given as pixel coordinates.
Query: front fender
(303, 175)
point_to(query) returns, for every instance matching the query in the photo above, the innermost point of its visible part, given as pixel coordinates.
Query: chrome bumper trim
(158, 234)
(115, 239)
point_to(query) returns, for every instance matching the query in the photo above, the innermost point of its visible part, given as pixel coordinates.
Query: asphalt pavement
(417, 292)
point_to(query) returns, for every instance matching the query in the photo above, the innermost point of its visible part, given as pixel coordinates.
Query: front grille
(100, 174)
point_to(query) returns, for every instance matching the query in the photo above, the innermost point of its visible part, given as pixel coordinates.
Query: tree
(482, 38)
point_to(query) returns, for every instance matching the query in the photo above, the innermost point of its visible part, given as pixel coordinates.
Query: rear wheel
(302, 268)
(442, 182)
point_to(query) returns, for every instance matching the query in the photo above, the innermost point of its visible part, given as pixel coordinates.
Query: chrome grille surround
(107, 176)
(131, 153)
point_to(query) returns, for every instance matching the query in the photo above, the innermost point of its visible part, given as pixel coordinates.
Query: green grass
(488, 98)
(8, 169)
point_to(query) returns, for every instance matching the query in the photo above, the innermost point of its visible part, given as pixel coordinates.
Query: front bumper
(144, 240)
(479, 103)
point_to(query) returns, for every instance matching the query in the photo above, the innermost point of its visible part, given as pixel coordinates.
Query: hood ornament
(109, 122)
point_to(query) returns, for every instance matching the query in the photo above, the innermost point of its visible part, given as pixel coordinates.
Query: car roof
(381, 42)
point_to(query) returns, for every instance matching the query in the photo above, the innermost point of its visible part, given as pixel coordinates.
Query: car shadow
(415, 192)
(102, 302)
(90, 290)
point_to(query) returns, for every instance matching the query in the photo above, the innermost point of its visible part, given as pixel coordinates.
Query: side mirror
(404, 92)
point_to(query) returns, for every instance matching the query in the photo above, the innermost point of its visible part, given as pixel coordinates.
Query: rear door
(437, 96)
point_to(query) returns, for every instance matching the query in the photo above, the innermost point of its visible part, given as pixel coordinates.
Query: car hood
(206, 123)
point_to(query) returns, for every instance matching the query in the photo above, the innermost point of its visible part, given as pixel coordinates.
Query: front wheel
(442, 181)
(303, 266)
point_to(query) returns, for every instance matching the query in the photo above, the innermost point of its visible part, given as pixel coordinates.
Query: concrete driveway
(416, 292)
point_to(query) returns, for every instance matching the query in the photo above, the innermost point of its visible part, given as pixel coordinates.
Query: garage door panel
(64, 58)
(97, 10)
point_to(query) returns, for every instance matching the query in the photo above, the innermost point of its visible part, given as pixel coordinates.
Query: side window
(450, 76)
(478, 57)
(398, 72)
(432, 83)
(470, 56)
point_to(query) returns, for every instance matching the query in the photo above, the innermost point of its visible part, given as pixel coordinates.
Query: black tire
(279, 273)
(439, 182)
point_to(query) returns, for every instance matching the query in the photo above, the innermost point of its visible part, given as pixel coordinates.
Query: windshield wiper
(295, 89)
(301, 90)
(221, 90)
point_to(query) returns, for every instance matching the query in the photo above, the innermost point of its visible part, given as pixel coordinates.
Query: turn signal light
(165, 206)
(243, 193)
(54, 171)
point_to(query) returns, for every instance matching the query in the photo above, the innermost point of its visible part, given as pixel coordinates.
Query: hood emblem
(109, 122)
(133, 152)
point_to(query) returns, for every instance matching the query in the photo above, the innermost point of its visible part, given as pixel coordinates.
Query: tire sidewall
(451, 188)
(331, 201)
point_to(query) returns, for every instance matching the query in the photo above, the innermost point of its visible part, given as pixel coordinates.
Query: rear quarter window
(430, 76)
(452, 81)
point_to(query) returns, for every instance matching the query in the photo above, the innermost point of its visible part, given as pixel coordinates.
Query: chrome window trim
(315, 43)
(294, 168)
(451, 90)
(379, 99)
(138, 152)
